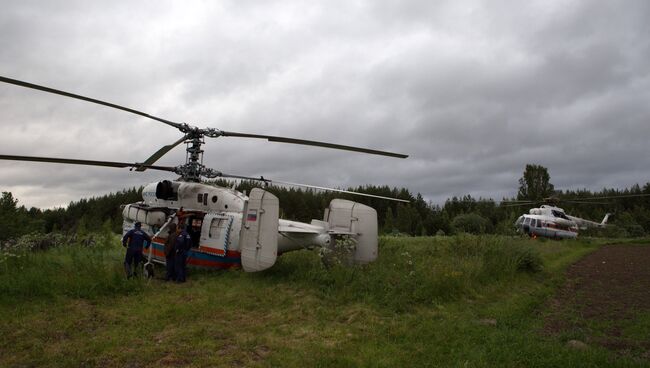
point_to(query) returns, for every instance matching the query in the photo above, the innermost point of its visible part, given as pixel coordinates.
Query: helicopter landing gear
(148, 270)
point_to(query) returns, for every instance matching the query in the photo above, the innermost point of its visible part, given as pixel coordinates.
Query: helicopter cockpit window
(519, 221)
(527, 221)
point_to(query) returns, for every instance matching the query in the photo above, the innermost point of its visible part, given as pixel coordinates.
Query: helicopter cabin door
(259, 232)
(215, 233)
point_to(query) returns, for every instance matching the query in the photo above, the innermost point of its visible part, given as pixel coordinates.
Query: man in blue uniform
(134, 240)
(182, 246)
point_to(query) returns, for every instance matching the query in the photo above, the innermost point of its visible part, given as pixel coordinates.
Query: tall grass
(80, 269)
(413, 272)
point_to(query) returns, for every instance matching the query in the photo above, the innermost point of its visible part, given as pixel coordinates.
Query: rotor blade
(271, 138)
(88, 99)
(83, 162)
(518, 201)
(518, 204)
(160, 153)
(311, 187)
(585, 202)
(614, 197)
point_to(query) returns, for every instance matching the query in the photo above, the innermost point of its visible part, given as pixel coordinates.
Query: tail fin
(347, 217)
(604, 222)
(259, 231)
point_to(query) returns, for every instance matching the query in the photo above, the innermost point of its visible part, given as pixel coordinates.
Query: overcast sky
(471, 90)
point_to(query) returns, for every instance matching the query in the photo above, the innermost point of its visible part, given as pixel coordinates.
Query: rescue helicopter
(551, 221)
(229, 229)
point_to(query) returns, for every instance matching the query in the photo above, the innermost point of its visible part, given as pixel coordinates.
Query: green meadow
(461, 301)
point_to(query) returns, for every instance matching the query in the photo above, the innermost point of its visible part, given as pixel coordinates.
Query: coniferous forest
(631, 212)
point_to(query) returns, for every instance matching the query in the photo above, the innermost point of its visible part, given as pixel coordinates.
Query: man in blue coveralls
(134, 240)
(182, 246)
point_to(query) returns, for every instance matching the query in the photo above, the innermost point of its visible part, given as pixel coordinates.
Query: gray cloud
(472, 91)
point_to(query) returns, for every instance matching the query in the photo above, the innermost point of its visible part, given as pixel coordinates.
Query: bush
(48, 266)
(470, 223)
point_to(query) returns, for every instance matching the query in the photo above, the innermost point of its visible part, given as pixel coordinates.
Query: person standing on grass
(134, 240)
(170, 253)
(182, 245)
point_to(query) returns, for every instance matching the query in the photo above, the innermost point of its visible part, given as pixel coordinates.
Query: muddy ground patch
(606, 301)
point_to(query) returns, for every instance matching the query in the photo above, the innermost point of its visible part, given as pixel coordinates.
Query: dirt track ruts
(604, 292)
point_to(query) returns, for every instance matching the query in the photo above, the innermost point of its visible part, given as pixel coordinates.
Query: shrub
(470, 223)
(48, 266)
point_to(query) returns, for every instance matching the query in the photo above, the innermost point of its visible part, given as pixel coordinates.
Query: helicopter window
(199, 197)
(205, 199)
(527, 221)
(214, 199)
(218, 226)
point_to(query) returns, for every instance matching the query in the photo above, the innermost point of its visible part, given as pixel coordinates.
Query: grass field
(439, 301)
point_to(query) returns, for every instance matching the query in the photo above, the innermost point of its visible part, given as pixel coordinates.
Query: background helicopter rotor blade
(269, 181)
(160, 153)
(613, 197)
(518, 204)
(271, 138)
(584, 202)
(84, 162)
(88, 99)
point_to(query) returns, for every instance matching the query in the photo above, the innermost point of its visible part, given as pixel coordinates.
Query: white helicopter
(552, 222)
(230, 229)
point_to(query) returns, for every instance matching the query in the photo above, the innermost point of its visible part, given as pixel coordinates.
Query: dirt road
(606, 300)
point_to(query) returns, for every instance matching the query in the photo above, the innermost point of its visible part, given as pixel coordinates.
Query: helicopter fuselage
(552, 222)
(549, 222)
(218, 219)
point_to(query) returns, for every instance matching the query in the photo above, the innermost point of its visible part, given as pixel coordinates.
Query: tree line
(416, 218)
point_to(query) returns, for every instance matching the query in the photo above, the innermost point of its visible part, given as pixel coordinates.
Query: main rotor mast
(193, 169)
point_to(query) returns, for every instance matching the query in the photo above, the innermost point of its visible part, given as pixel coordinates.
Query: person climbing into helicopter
(182, 245)
(134, 240)
(170, 253)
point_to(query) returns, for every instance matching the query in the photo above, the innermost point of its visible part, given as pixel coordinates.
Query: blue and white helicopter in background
(550, 221)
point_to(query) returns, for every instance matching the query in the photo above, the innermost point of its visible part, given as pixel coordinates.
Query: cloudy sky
(471, 90)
